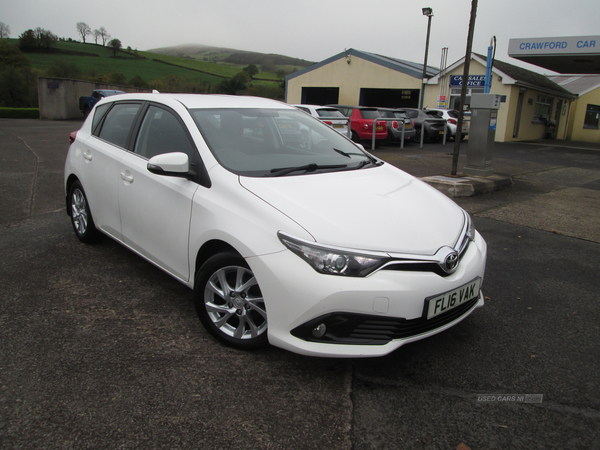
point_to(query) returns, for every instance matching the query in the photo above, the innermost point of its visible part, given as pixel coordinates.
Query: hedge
(19, 113)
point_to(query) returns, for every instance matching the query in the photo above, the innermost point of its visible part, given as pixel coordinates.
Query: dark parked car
(429, 120)
(395, 126)
(87, 103)
(361, 118)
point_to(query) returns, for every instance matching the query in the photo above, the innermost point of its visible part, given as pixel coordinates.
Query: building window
(543, 107)
(592, 117)
(455, 97)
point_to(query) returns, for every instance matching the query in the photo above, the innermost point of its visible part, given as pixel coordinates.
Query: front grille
(362, 329)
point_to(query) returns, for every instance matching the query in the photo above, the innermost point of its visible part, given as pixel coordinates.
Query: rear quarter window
(118, 122)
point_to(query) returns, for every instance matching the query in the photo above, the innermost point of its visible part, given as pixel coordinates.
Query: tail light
(452, 121)
(395, 124)
(327, 122)
(72, 137)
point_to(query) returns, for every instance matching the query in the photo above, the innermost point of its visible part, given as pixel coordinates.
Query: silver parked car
(330, 116)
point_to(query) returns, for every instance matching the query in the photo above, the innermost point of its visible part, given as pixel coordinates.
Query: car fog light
(319, 330)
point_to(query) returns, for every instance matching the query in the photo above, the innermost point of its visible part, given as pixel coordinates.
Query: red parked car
(362, 118)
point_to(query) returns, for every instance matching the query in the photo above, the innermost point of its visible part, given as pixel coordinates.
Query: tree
(115, 44)
(18, 83)
(44, 39)
(63, 69)
(11, 56)
(138, 82)
(234, 85)
(251, 70)
(27, 41)
(84, 30)
(4, 30)
(104, 35)
(96, 33)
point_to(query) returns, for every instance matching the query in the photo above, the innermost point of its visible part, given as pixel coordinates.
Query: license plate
(452, 299)
(379, 128)
(407, 125)
(441, 132)
(338, 125)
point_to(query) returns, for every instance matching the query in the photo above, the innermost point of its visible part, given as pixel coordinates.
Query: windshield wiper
(368, 161)
(307, 168)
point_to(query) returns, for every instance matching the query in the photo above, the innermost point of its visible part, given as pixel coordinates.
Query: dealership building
(531, 103)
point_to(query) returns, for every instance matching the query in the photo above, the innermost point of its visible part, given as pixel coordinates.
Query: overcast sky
(312, 29)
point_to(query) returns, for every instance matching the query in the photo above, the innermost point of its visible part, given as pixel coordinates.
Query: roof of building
(519, 76)
(409, 68)
(523, 75)
(578, 84)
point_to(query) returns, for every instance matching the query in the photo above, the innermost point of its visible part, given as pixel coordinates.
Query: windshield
(370, 114)
(273, 142)
(329, 113)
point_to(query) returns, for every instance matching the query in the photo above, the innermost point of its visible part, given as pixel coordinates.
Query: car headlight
(333, 260)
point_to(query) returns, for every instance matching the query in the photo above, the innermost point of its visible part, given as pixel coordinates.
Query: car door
(155, 209)
(102, 153)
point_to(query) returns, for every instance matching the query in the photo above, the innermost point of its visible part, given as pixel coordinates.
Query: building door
(320, 95)
(518, 115)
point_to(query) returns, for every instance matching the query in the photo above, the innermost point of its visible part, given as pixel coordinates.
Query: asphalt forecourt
(102, 350)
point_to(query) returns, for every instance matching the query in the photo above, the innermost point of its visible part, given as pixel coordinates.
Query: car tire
(229, 302)
(81, 215)
(355, 137)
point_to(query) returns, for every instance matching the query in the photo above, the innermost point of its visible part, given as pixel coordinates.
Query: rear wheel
(81, 216)
(229, 302)
(355, 137)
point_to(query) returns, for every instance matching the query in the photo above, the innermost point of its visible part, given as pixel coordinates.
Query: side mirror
(170, 164)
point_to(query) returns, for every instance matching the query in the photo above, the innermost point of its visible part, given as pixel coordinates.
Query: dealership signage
(541, 46)
(473, 81)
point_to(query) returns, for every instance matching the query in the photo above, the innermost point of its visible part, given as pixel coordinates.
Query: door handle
(126, 176)
(87, 155)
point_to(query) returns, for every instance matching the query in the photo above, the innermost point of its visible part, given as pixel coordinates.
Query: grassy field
(99, 60)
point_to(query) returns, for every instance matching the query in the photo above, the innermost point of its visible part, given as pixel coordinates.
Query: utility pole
(465, 83)
(429, 13)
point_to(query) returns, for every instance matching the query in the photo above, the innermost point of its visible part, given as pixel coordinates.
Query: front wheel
(229, 302)
(81, 216)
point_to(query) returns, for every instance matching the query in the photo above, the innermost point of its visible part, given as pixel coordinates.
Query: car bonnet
(378, 209)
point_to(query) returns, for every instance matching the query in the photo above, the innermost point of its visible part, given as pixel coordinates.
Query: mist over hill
(231, 56)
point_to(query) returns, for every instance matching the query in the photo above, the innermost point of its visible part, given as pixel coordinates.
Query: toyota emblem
(451, 262)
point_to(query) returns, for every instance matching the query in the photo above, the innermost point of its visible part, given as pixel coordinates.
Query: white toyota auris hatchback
(287, 232)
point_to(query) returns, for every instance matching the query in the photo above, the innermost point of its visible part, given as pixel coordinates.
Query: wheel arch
(209, 249)
(70, 180)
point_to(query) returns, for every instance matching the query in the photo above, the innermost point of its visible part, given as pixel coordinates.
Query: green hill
(197, 63)
(178, 69)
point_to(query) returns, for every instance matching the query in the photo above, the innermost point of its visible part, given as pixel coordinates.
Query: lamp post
(429, 13)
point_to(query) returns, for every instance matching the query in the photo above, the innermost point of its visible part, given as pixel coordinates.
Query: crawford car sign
(540, 46)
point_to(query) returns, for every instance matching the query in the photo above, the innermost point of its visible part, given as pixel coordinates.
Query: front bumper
(369, 316)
